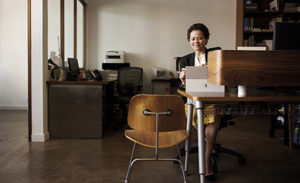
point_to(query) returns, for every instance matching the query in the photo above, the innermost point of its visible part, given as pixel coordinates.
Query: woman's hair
(198, 26)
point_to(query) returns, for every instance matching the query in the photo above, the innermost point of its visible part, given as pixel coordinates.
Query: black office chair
(129, 83)
(226, 120)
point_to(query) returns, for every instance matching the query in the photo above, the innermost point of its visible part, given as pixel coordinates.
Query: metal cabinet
(75, 111)
(165, 86)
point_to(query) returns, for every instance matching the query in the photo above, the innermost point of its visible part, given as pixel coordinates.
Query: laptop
(196, 81)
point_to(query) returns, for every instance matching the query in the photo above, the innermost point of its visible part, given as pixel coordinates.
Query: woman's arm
(183, 64)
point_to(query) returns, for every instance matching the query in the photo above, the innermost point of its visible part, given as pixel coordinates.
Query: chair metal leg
(131, 162)
(181, 166)
(130, 165)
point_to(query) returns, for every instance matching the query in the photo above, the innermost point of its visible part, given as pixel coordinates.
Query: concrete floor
(106, 160)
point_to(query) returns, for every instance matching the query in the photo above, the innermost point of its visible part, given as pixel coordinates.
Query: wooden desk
(197, 99)
(254, 68)
(77, 109)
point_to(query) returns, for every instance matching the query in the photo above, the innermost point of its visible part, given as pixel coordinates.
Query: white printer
(114, 60)
(114, 57)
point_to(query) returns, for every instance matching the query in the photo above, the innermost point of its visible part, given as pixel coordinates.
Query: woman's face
(197, 40)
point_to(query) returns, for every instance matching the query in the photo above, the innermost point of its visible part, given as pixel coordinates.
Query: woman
(198, 35)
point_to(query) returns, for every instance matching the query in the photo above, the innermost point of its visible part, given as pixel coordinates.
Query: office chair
(225, 121)
(157, 121)
(129, 83)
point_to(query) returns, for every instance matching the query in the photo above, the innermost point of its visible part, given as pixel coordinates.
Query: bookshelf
(255, 20)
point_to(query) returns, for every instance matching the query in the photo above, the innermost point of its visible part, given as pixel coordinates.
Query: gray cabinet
(161, 86)
(165, 86)
(75, 111)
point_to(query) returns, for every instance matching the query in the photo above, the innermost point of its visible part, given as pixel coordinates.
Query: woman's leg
(212, 121)
(211, 132)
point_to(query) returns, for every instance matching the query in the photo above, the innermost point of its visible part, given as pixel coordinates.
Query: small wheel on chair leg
(182, 151)
(215, 169)
(242, 160)
(187, 174)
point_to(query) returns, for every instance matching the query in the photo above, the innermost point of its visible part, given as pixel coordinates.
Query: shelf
(269, 13)
(291, 13)
(295, 145)
(262, 13)
(257, 33)
(260, 17)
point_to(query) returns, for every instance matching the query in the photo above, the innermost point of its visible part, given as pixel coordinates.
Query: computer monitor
(286, 36)
(74, 68)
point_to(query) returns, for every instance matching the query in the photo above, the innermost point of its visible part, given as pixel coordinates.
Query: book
(248, 1)
(251, 40)
(251, 7)
(248, 24)
(274, 5)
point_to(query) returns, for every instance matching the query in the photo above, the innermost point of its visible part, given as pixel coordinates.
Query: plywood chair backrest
(156, 103)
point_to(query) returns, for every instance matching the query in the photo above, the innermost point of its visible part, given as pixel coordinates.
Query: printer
(114, 57)
(114, 60)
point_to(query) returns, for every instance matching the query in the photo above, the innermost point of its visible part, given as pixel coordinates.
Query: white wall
(13, 54)
(152, 32)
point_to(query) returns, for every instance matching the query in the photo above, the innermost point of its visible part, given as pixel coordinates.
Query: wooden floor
(106, 160)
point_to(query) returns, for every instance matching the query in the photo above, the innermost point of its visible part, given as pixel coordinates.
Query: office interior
(152, 33)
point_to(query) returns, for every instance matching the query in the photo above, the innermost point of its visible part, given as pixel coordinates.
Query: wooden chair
(157, 121)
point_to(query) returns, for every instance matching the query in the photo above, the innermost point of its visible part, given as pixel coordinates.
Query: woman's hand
(182, 76)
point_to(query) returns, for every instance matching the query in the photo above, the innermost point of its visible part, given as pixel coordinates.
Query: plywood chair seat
(156, 121)
(166, 139)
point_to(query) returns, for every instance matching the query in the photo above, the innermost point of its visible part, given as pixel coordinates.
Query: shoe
(214, 162)
(211, 177)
